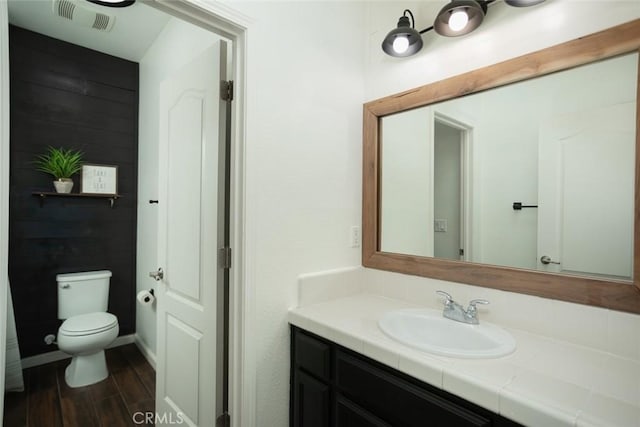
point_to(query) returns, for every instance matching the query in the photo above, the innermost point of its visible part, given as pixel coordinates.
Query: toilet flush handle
(158, 275)
(65, 286)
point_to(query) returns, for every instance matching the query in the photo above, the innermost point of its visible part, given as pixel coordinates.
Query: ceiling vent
(82, 15)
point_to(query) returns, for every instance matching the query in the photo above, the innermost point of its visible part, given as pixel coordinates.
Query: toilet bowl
(85, 337)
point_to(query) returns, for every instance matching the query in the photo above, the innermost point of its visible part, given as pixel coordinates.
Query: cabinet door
(349, 414)
(310, 401)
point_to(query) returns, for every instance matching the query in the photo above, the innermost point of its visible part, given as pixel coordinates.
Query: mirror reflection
(535, 175)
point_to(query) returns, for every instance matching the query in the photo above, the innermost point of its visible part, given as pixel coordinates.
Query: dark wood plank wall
(64, 95)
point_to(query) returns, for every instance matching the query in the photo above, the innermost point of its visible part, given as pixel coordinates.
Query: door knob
(546, 259)
(158, 275)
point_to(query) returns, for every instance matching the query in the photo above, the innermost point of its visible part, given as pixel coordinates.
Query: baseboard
(54, 356)
(146, 351)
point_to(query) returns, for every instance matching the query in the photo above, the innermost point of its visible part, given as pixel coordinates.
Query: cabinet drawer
(313, 355)
(396, 401)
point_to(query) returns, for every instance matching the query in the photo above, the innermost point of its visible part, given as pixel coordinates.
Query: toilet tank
(81, 293)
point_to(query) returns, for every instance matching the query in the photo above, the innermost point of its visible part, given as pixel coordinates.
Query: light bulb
(458, 20)
(400, 44)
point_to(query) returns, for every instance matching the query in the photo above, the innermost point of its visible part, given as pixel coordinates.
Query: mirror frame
(611, 294)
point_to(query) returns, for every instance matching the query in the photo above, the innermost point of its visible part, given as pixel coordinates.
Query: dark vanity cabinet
(334, 386)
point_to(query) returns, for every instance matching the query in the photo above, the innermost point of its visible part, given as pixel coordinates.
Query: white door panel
(185, 213)
(188, 242)
(182, 382)
(586, 167)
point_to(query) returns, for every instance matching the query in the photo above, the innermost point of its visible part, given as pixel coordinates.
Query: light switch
(440, 225)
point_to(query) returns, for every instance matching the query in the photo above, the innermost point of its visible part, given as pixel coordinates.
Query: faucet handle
(447, 296)
(472, 305)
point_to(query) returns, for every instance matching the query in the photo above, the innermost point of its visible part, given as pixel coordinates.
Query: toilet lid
(90, 323)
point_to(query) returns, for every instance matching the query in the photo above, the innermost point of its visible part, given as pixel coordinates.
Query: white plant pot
(63, 185)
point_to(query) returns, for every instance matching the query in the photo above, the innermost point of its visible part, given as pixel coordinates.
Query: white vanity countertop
(544, 383)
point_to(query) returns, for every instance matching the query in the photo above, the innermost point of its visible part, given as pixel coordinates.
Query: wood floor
(48, 401)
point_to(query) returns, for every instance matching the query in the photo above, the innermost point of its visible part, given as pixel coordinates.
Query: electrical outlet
(355, 236)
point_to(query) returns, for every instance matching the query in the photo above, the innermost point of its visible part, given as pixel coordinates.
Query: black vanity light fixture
(404, 40)
(113, 3)
(460, 17)
(457, 18)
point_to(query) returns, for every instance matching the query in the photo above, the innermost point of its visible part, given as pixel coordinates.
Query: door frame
(229, 23)
(466, 147)
(225, 21)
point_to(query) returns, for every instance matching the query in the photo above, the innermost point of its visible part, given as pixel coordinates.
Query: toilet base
(86, 369)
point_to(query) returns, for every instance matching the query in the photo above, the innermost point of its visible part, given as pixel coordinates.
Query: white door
(188, 243)
(406, 191)
(585, 194)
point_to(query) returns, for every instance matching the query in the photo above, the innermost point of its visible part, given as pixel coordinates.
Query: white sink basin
(429, 331)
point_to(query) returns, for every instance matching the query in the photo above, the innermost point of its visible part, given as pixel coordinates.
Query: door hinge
(461, 252)
(224, 420)
(226, 90)
(225, 258)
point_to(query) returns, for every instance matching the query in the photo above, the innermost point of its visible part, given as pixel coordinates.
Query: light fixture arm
(426, 29)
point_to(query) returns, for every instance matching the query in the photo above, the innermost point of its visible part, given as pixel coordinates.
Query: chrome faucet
(454, 311)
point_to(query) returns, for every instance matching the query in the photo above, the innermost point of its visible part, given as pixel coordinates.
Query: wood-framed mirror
(609, 289)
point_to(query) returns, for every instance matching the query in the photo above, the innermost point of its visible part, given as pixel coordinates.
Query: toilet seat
(88, 324)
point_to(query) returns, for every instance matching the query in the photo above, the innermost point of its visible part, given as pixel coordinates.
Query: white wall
(176, 45)
(303, 166)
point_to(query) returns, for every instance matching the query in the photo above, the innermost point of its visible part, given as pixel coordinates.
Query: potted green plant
(62, 164)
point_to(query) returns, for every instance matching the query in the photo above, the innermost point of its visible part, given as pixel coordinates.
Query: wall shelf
(44, 194)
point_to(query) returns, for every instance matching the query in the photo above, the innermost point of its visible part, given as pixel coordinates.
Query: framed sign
(99, 179)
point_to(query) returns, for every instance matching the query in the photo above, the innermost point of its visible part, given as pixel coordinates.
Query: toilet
(87, 329)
